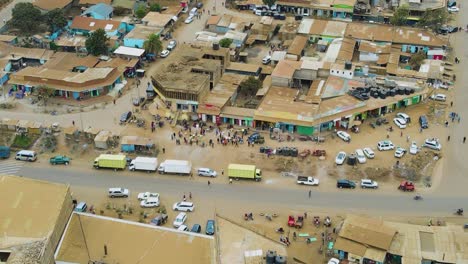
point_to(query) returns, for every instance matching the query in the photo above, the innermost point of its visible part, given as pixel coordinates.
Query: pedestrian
(446, 123)
(230, 180)
(183, 198)
(294, 236)
(305, 215)
(114, 101)
(420, 130)
(310, 194)
(164, 150)
(451, 103)
(73, 122)
(209, 183)
(407, 138)
(208, 12)
(222, 172)
(401, 133)
(464, 139)
(448, 138)
(190, 195)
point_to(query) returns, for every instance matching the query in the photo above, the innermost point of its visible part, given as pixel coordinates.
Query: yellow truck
(116, 162)
(241, 171)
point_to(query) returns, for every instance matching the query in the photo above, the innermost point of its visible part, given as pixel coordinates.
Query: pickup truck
(305, 180)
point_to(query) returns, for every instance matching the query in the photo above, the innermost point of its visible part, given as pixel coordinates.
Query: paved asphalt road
(244, 194)
(449, 194)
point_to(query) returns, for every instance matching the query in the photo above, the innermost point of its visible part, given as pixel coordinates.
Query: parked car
(444, 30)
(179, 220)
(360, 156)
(59, 160)
(118, 192)
(438, 97)
(345, 184)
(385, 145)
(146, 195)
(344, 136)
(207, 172)
(432, 143)
(172, 44)
(414, 149)
(125, 116)
(266, 60)
(369, 153)
(453, 9)
(150, 202)
(404, 116)
(183, 206)
(159, 220)
(81, 207)
(164, 53)
(366, 183)
(210, 227)
(399, 122)
(340, 158)
(399, 152)
(183, 228)
(423, 122)
(196, 228)
(189, 20)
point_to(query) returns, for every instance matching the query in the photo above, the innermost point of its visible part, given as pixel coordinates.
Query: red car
(406, 186)
(291, 221)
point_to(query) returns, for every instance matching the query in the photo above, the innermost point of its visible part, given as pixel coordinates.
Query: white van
(439, 97)
(206, 172)
(193, 12)
(385, 145)
(26, 155)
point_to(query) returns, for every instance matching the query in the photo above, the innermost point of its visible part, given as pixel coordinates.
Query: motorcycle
(418, 197)
(280, 230)
(459, 211)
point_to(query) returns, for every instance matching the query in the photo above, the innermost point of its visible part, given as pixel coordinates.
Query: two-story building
(187, 76)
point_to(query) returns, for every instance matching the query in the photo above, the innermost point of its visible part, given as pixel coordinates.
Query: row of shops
(343, 120)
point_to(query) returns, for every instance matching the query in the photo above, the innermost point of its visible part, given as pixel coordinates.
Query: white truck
(144, 163)
(181, 167)
(305, 180)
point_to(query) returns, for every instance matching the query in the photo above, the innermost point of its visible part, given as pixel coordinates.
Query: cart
(291, 221)
(319, 152)
(305, 153)
(299, 222)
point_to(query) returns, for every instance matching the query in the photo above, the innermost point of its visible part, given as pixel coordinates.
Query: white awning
(122, 50)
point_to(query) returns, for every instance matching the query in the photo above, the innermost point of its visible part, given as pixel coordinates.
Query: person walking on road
(209, 183)
(222, 172)
(164, 150)
(310, 194)
(464, 139)
(230, 181)
(448, 138)
(190, 195)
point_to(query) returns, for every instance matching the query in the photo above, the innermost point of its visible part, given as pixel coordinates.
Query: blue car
(196, 228)
(210, 227)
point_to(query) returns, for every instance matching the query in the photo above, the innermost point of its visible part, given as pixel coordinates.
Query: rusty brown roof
(89, 23)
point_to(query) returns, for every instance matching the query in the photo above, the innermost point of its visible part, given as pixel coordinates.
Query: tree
(44, 93)
(417, 59)
(26, 18)
(120, 11)
(141, 11)
(225, 42)
(155, 7)
(56, 19)
(153, 44)
(269, 3)
(400, 16)
(434, 19)
(250, 86)
(96, 43)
